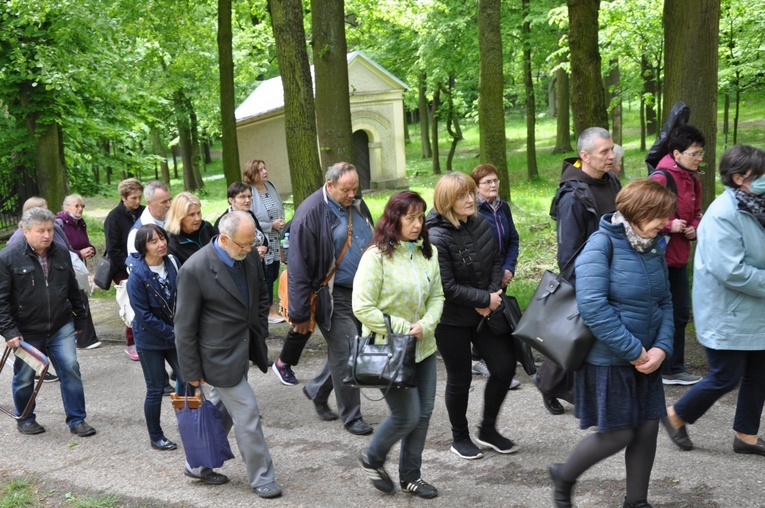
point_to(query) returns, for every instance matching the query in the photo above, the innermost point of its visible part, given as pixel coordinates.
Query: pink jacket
(688, 209)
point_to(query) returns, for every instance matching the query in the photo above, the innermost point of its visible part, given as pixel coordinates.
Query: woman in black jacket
(187, 232)
(471, 274)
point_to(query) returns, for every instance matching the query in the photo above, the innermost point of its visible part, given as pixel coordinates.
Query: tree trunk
(196, 158)
(588, 99)
(184, 138)
(231, 168)
(206, 149)
(491, 85)
(552, 110)
(427, 151)
(159, 150)
(434, 116)
(330, 62)
(642, 123)
(615, 101)
(174, 151)
(738, 106)
(452, 125)
(299, 111)
(52, 178)
(650, 93)
(563, 129)
(528, 83)
(407, 136)
(726, 119)
(691, 32)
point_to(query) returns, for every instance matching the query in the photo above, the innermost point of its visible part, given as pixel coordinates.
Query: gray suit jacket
(214, 331)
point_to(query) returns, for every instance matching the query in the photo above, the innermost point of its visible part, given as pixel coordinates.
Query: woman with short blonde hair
(187, 232)
(470, 264)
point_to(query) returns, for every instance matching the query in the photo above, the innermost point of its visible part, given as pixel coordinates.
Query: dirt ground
(316, 461)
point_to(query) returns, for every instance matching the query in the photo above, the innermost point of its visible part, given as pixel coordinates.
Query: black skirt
(616, 397)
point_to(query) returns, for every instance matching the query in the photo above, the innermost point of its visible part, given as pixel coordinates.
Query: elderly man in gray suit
(220, 324)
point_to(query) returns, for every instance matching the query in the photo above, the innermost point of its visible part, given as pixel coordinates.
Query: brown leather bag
(283, 291)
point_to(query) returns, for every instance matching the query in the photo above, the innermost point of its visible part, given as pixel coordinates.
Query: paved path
(316, 461)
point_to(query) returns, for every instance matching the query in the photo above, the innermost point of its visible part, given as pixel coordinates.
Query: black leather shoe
(678, 436)
(82, 429)
(163, 444)
(322, 409)
(561, 488)
(30, 428)
(551, 403)
(212, 478)
(359, 428)
(755, 449)
(268, 490)
(639, 504)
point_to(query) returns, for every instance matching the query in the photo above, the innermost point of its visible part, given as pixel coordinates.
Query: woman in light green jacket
(399, 275)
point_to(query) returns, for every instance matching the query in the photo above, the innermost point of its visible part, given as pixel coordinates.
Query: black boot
(639, 504)
(561, 488)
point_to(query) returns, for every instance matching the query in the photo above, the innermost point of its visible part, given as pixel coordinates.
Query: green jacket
(406, 286)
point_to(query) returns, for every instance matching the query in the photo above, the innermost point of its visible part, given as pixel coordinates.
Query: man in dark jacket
(38, 296)
(221, 323)
(588, 189)
(325, 223)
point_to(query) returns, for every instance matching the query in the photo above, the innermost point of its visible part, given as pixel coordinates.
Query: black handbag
(552, 324)
(384, 366)
(103, 275)
(523, 353)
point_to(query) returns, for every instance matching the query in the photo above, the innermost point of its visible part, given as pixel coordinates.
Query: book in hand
(32, 357)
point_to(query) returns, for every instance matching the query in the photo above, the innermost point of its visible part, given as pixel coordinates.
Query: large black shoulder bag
(551, 323)
(383, 366)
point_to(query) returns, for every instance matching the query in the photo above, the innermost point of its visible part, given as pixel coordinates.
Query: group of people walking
(203, 298)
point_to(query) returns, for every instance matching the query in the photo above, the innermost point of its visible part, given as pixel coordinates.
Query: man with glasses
(220, 324)
(587, 190)
(329, 232)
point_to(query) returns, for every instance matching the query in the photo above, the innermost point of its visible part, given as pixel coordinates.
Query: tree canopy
(95, 90)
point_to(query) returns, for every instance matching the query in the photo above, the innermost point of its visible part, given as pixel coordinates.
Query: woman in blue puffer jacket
(623, 296)
(152, 291)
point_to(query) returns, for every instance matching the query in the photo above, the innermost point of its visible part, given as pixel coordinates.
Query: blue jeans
(410, 410)
(726, 369)
(153, 365)
(62, 351)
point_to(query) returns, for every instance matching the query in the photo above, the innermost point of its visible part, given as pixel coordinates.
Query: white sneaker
(275, 319)
(94, 345)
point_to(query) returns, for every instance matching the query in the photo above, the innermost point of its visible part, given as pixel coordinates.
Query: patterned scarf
(751, 203)
(638, 243)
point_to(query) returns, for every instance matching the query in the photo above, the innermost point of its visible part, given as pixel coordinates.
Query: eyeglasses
(695, 155)
(464, 197)
(489, 183)
(246, 246)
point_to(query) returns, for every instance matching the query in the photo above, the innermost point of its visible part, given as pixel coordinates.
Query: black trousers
(497, 351)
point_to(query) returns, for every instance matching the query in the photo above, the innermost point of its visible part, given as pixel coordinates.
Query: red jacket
(688, 209)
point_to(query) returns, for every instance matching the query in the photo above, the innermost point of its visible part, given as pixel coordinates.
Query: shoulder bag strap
(342, 252)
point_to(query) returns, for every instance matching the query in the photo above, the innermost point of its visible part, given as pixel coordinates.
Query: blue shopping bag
(204, 440)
